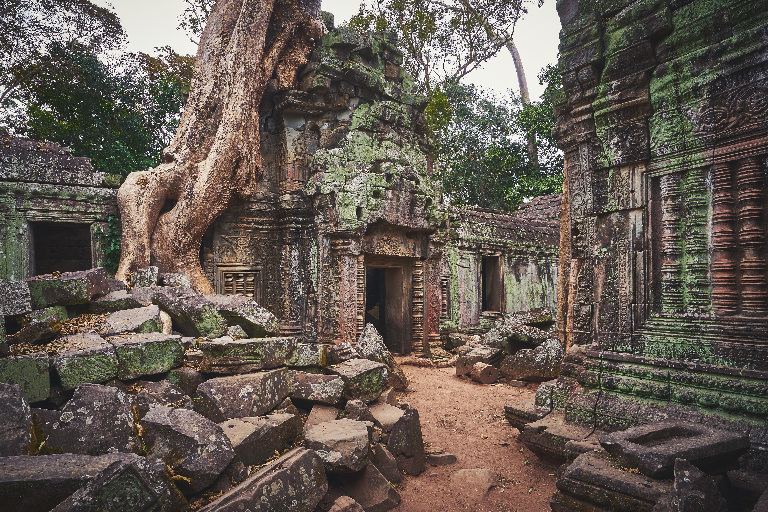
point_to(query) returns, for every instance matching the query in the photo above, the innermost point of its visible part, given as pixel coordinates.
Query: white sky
(152, 23)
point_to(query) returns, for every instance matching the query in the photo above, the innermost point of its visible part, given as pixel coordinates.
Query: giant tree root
(215, 155)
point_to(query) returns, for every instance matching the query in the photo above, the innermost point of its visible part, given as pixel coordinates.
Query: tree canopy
(481, 153)
(28, 28)
(74, 87)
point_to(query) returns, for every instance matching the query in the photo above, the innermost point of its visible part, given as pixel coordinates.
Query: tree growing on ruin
(215, 156)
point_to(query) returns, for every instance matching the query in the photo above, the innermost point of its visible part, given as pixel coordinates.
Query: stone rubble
(150, 418)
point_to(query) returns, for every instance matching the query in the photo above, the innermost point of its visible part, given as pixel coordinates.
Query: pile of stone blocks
(154, 397)
(520, 346)
(658, 467)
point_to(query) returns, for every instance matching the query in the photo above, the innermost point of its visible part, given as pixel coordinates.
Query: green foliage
(29, 27)
(443, 40)
(111, 243)
(117, 113)
(482, 158)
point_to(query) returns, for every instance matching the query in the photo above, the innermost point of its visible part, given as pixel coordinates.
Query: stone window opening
(490, 283)
(60, 247)
(239, 280)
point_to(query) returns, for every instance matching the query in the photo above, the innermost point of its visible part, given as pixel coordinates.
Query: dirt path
(467, 419)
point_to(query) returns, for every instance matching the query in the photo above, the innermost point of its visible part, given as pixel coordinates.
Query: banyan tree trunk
(215, 155)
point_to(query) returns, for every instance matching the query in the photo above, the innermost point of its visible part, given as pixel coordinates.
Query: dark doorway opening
(60, 247)
(490, 276)
(386, 305)
(375, 299)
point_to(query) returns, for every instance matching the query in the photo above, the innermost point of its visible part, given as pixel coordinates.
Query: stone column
(725, 296)
(671, 244)
(432, 303)
(754, 287)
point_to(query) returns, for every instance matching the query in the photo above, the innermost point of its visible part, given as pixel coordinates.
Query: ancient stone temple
(665, 278)
(54, 209)
(349, 227)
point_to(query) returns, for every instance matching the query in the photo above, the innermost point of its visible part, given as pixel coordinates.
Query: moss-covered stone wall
(665, 268)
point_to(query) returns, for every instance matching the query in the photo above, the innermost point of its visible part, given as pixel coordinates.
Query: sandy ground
(466, 419)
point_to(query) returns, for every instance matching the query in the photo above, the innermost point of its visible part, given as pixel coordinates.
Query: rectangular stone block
(308, 354)
(89, 358)
(245, 355)
(239, 396)
(70, 288)
(296, 481)
(41, 482)
(31, 372)
(147, 354)
(256, 439)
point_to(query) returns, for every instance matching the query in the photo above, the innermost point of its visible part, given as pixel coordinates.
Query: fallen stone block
(188, 379)
(41, 482)
(593, 483)
(230, 356)
(115, 285)
(386, 416)
(523, 412)
(15, 420)
(371, 490)
(239, 396)
(477, 354)
(484, 373)
(257, 321)
(653, 448)
(385, 462)
(236, 332)
(116, 301)
(145, 277)
(343, 445)
(363, 379)
(340, 352)
(405, 442)
(192, 313)
(137, 485)
(41, 326)
(441, 459)
(692, 491)
(346, 504)
(512, 336)
(67, 289)
(538, 364)
(142, 320)
(389, 396)
(296, 482)
(326, 389)
(256, 439)
(320, 414)
(172, 279)
(96, 420)
(308, 354)
(358, 410)
(149, 394)
(194, 447)
(89, 358)
(287, 407)
(145, 295)
(139, 355)
(370, 345)
(15, 298)
(30, 372)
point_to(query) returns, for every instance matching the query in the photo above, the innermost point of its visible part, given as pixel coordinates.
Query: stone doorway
(387, 301)
(60, 246)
